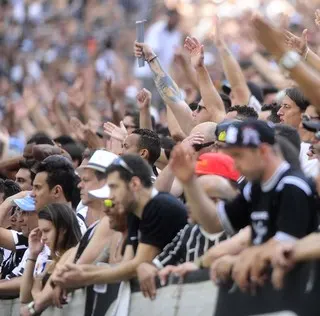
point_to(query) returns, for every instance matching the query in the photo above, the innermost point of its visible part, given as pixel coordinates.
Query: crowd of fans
(206, 157)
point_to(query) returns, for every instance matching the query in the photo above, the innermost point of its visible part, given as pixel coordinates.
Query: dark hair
(135, 116)
(289, 152)
(75, 150)
(151, 141)
(28, 164)
(64, 139)
(274, 108)
(244, 112)
(226, 101)
(138, 165)
(40, 138)
(63, 218)
(167, 143)
(9, 188)
(298, 98)
(290, 133)
(59, 172)
(88, 153)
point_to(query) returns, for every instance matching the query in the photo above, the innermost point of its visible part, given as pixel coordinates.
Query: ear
(57, 191)
(144, 153)
(135, 184)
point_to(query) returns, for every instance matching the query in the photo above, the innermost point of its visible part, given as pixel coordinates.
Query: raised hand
(183, 163)
(180, 56)
(299, 44)
(143, 50)
(116, 132)
(191, 140)
(144, 99)
(109, 92)
(35, 243)
(78, 128)
(77, 99)
(218, 37)
(196, 51)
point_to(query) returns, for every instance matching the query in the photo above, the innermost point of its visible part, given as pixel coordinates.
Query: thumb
(305, 35)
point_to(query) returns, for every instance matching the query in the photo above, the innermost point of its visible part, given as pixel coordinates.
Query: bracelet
(152, 58)
(33, 260)
(306, 53)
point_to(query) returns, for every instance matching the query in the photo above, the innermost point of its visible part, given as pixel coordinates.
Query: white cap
(102, 193)
(100, 160)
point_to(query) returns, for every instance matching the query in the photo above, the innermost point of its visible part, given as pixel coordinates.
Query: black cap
(221, 130)
(250, 133)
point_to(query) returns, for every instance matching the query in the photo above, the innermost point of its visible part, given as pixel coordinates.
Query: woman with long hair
(58, 231)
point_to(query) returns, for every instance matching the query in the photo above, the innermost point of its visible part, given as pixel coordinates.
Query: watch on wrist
(289, 60)
(31, 309)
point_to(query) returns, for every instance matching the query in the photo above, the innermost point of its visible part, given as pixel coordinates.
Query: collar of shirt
(209, 236)
(270, 184)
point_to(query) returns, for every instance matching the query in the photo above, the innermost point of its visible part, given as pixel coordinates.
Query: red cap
(217, 164)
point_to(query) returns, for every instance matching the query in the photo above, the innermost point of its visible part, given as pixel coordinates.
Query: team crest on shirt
(259, 225)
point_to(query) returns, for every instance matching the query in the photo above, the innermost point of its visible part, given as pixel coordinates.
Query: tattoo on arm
(167, 88)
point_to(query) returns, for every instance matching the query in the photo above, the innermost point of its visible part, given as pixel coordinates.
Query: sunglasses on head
(198, 147)
(120, 162)
(306, 117)
(196, 107)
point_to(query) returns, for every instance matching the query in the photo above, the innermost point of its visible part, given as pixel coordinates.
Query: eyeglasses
(198, 147)
(120, 162)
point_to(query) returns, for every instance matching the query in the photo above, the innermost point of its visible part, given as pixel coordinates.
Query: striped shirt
(189, 244)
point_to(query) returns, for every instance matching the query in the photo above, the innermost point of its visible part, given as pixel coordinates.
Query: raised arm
(209, 94)
(240, 91)
(144, 102)
(182, 163)
(273, 40)
(167, 88)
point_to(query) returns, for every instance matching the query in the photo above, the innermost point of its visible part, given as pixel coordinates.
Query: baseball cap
(217, 164)
(102, 193)
(250, 133)
(100, 160)
(221, 129)
(26, 204)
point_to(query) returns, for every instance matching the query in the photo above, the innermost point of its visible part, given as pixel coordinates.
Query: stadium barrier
(195, 296)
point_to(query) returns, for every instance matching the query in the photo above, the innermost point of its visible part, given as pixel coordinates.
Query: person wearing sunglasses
(161, 217)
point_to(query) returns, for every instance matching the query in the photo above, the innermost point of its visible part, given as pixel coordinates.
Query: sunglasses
(196, 107)
(306, 117)
(120, 162)
(198, 147)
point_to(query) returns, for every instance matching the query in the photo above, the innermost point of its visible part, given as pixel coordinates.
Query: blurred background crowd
(58, 58)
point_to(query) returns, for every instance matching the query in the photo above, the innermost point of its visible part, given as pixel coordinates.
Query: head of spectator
(75, 150)
(55, 182)
(293, 105)
(252, 146)
(93, 174)
(128, 180)
(221, 132)
(199, 113)
(143, 142)
(26, 214)
(37, 139)
(208, 130)
(218, 164)
(310, 115)
(269, 94)
(59, 228)
(289, 152)
(289, 133)
(269, 113)
(25, 176)
(64, 140)
(241, 113)
(131, 121)
(173, 19)
(8, 188)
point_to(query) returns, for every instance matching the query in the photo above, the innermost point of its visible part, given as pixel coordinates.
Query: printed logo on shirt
(259, 225)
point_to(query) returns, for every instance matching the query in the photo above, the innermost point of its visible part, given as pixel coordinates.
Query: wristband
(152, 58)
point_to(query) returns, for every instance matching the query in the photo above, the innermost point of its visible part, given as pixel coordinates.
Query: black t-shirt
(21, 244)
(283, 207)
(162, 218)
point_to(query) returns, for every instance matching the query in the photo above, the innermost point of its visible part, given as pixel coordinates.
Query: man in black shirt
(161, 217)
(277, 202)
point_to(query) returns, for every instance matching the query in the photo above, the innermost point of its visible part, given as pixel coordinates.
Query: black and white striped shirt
(189, 244)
